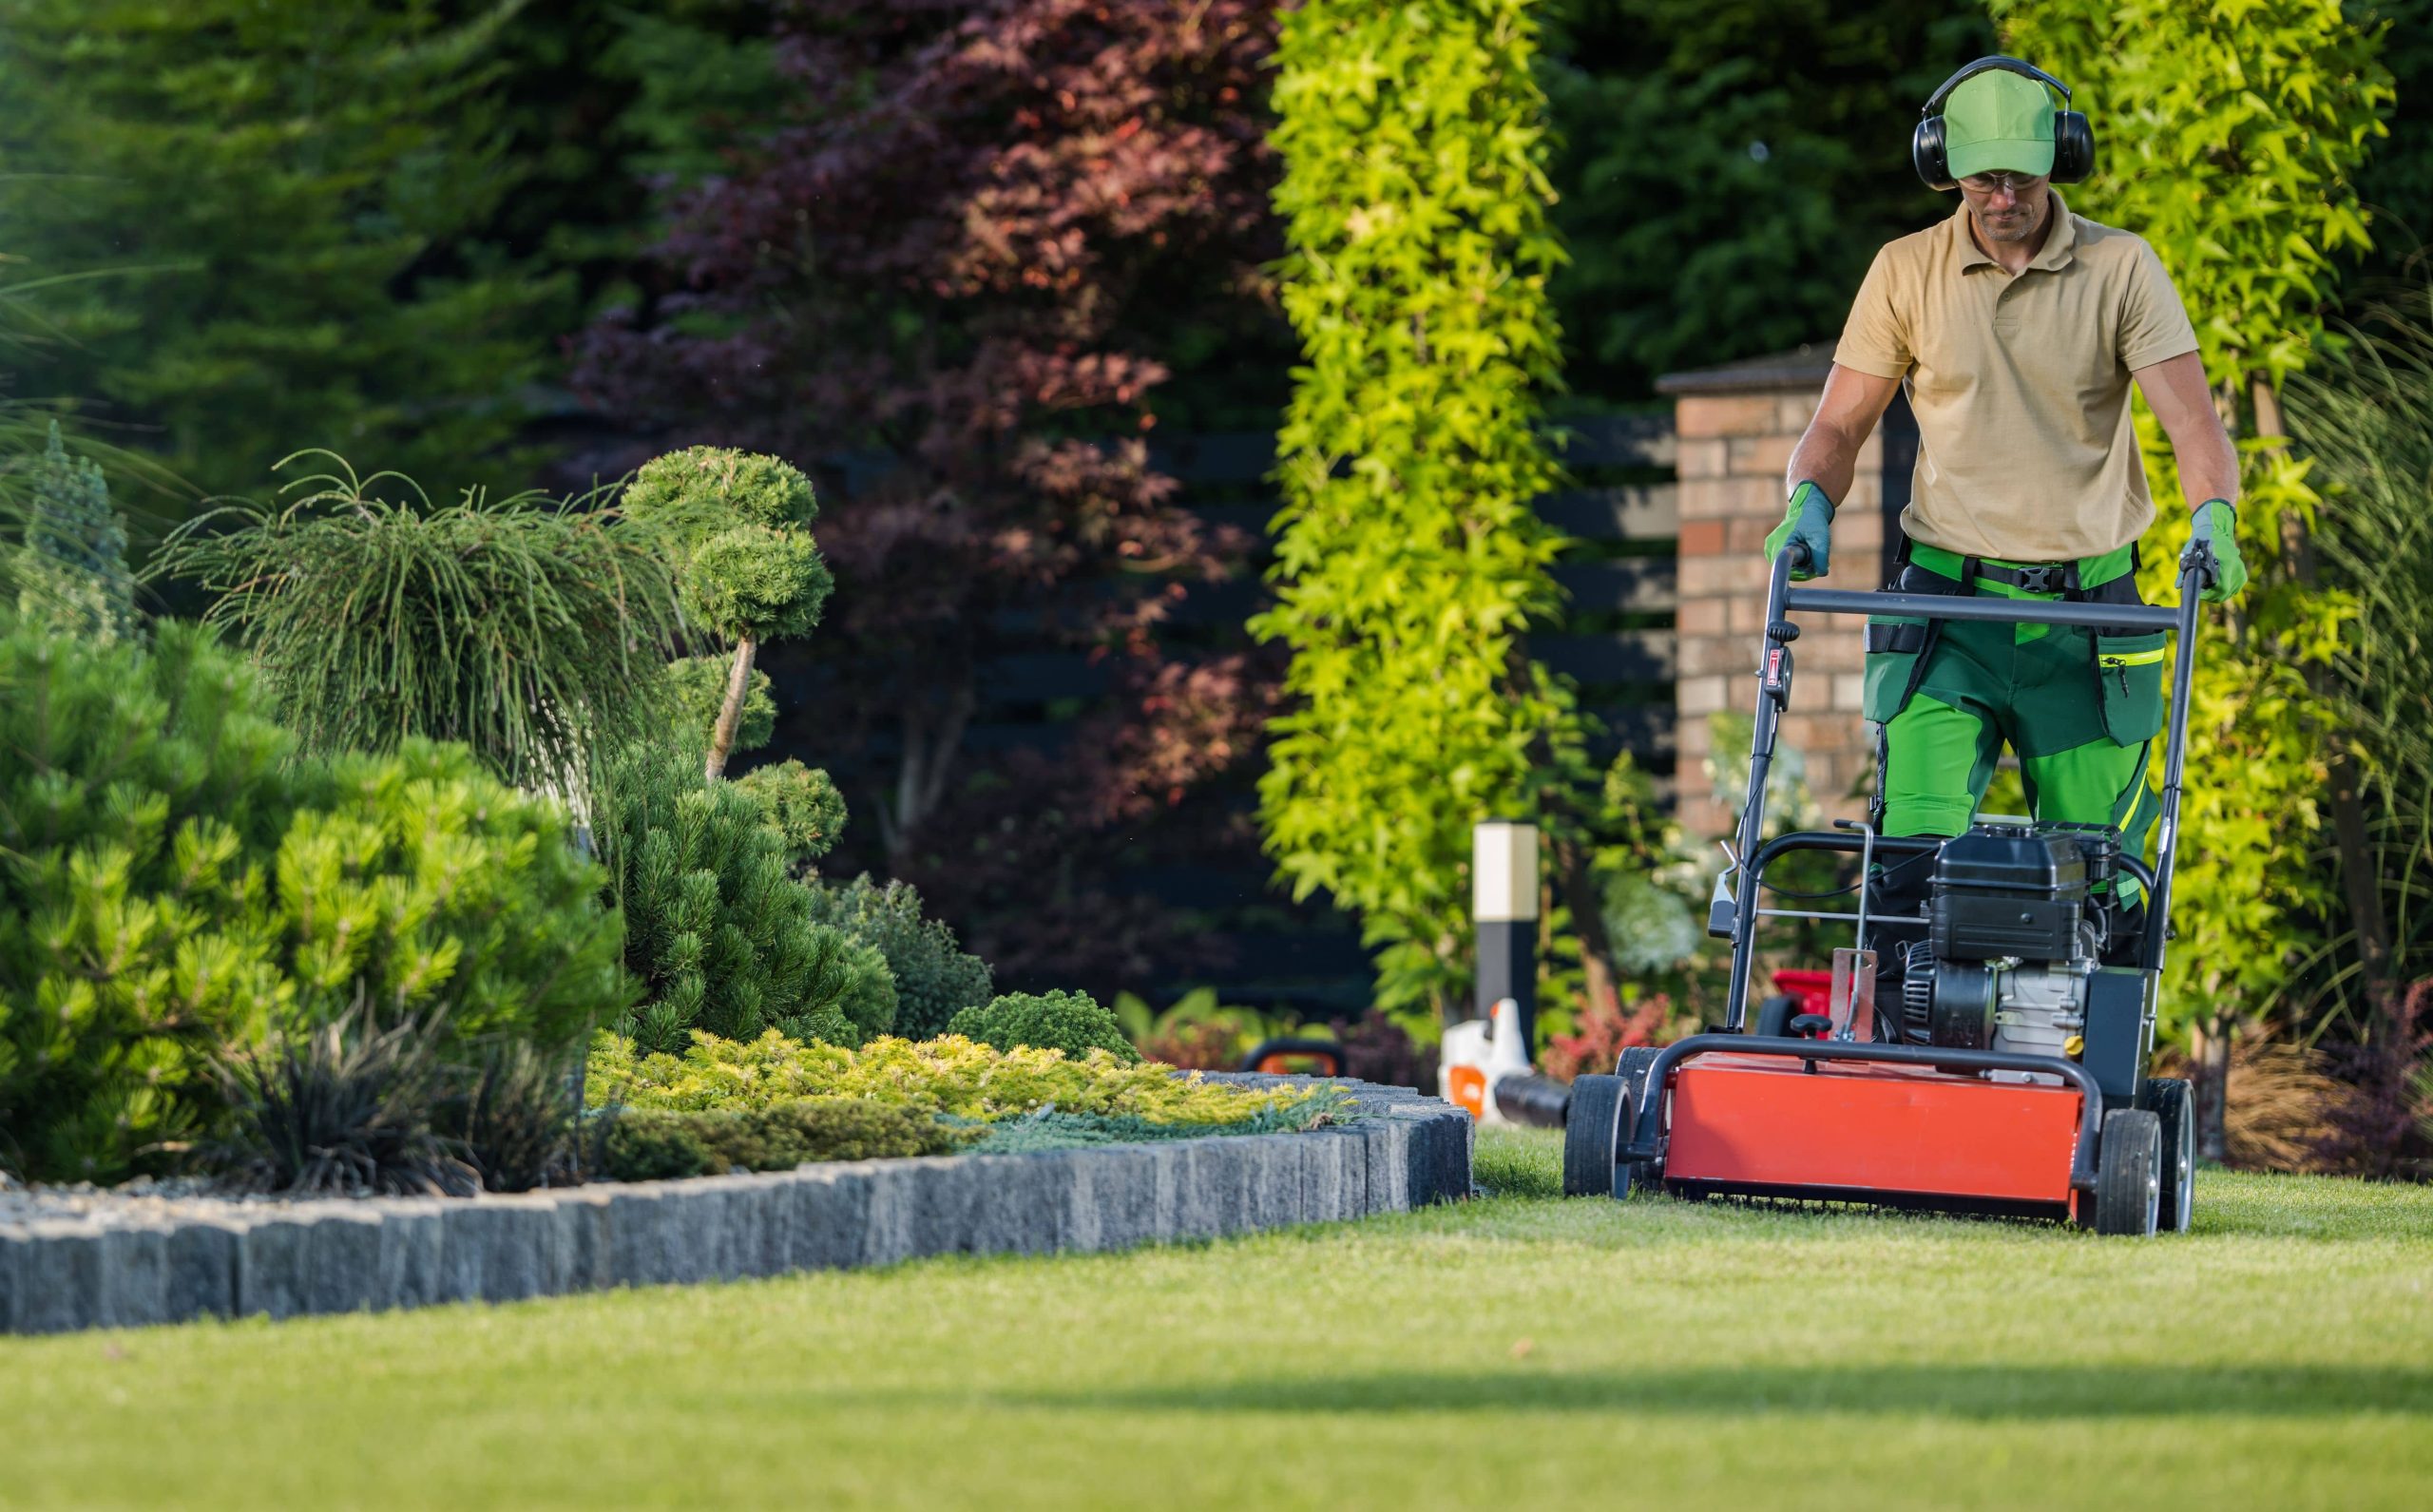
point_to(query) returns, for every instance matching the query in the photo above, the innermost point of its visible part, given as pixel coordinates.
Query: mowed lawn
(1520, 1351)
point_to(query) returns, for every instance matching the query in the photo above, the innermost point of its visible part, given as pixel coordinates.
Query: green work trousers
(2080, 707)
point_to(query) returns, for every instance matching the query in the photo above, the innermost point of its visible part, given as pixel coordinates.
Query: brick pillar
(1736, 426)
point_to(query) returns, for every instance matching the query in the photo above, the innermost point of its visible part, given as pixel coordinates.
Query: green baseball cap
(1997, 122)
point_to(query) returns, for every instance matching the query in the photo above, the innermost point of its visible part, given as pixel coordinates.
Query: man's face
(2007, 206)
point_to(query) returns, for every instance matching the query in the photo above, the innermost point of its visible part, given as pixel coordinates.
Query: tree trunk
(1588, 922)
(933, 736)
(2212, 1064)
(738, 683)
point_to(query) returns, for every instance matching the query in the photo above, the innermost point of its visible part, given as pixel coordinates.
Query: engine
(2015, 935)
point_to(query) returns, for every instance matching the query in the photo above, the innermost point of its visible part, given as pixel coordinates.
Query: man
(2017, 328)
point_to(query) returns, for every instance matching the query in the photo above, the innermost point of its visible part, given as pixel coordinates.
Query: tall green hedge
(2230, 138)
(1409, 561)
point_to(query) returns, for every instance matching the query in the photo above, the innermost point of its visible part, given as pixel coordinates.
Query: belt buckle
(2044, 578)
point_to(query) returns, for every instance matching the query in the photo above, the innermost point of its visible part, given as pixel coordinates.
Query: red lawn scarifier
(2011, 1077)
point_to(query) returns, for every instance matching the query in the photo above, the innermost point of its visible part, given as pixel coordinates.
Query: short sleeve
(1875, 339)
(2154, 323)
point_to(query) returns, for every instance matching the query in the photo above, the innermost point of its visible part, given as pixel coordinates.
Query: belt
(2067, 579)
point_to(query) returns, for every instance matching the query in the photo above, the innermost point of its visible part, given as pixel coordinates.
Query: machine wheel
(1633, 1068)
(1775, 1016)
(1589, 1134)
(2171, 1100)
(2128, 1173)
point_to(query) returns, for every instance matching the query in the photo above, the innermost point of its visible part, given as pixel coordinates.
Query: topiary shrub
(746, 566)
(722, 938)
(656, 1145)
(800, 803)
(695, 690)
(934, 978)
(1070, 1021)
(171, 883)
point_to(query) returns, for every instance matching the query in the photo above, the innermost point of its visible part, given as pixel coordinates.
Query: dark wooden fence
(1616, 642)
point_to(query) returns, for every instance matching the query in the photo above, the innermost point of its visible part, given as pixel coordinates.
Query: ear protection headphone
(2073, 139)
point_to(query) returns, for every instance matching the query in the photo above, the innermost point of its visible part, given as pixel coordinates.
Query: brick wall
(1736, 427)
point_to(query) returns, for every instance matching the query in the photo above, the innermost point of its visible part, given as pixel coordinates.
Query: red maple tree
(947, 266)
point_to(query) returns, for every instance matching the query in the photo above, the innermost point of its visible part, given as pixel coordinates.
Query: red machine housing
(1883, 1133)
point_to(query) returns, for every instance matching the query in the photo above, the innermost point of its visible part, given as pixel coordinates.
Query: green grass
(1520, 1351)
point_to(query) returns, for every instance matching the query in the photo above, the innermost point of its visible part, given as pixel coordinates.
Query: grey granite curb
(287, 1259)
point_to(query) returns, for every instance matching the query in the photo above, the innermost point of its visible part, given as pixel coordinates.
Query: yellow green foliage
(2231, 137)
(951, 1075)
(1408, 561)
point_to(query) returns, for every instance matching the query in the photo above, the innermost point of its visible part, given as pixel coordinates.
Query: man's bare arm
(2175, 391)
(1828, 453)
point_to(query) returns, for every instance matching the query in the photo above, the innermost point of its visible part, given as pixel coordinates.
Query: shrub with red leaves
(948, 260)
(1378, 1049)
(1605, 1032)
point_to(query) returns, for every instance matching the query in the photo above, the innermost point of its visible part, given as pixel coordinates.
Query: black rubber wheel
(1775, 1016)
(1631, 1069)
(2171, 1100)
(2128, 1174)
(1588, 1136)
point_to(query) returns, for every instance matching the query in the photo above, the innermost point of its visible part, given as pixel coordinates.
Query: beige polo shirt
(2020, 383)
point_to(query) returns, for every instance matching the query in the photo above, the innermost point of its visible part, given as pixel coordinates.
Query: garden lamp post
(1503, 905)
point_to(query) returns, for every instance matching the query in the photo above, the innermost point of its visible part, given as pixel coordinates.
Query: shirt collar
(2059, 245)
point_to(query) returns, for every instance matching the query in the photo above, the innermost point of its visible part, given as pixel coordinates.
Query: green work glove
(2215, 522)
(1807, 519)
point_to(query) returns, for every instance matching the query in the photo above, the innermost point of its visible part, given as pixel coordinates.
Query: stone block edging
(289, 1259)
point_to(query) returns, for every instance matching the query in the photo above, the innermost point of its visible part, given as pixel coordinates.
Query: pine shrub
(800, 803)
(174, 881)
(934, 978)
(1070, 1021)
(719, 933)
(695, 689)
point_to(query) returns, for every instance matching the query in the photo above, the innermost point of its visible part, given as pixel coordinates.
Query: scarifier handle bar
(1773, 694)
(1646, 1142)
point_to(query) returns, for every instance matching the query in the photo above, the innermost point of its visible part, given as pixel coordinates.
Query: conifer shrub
(721, 936)
(530, 627)
(695, 692)
(1071, 1021)
(656, 1145)
(934, 978)
(800, 803)
(427, 880)
(173, 881)
(71, 572)
(736, 524)
(951, 1075)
